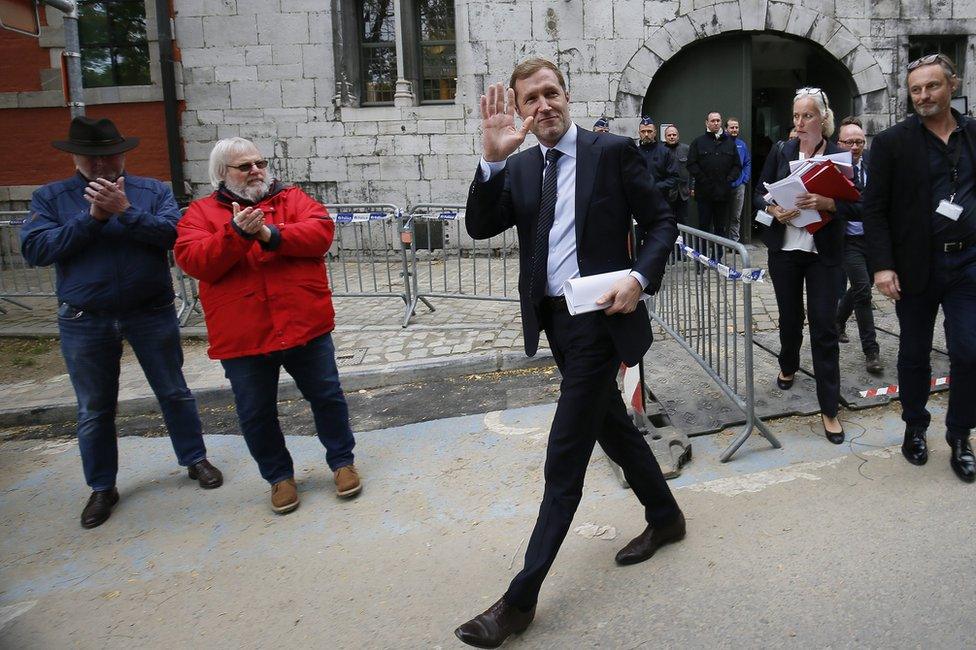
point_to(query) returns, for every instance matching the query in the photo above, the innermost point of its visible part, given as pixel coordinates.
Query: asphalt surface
(814, 545)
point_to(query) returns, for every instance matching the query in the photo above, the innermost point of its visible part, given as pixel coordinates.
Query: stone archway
(871, 99)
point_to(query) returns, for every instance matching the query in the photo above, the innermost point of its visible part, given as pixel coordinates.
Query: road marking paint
(9, 612)
(759, 481)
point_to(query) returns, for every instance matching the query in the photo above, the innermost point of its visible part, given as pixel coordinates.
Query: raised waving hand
(499, 137)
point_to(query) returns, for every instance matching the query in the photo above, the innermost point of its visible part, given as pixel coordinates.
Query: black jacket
(829, 239)
(612, 184)
(664, 168)
(898, 202)
(715, 164)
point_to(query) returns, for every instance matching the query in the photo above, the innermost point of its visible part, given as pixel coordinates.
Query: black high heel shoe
(836, 437)
(785, 384)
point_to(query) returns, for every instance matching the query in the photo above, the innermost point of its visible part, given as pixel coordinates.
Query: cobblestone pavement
(369, 332)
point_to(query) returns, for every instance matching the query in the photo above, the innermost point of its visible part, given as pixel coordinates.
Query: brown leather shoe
(347, 481)
(497, 623)
(284, 496)
(644, 545)
(99, 508)
(208, 476)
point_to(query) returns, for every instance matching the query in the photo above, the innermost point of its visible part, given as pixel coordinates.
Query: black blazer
(829, 239)
(898, 202)
(612, 183)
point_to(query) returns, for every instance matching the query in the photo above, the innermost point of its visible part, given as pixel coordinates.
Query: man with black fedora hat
(107, 233)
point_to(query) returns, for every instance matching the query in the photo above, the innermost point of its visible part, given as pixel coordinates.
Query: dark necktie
(547, 215)
(859, 176)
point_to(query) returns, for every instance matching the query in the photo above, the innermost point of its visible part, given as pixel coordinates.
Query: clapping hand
(106, 198)
(250, 219)
(499, 137)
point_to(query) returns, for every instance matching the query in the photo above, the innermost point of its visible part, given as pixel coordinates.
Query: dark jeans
(857, 298)
(713, 217)
(254, 380)
(791, 270)
(92, 348)
(590, 410)
(952, 284)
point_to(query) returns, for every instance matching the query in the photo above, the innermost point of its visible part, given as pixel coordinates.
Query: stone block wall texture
(265, 70)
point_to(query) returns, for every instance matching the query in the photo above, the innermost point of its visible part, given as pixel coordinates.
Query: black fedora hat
(90, 137)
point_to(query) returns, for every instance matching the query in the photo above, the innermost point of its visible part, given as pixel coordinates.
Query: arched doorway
(752, 76)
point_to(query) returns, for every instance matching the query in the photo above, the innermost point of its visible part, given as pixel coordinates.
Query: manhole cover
(352, 357)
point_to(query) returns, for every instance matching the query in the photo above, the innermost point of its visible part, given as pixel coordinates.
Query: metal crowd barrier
(447, 263)
(368, 257)
(17, 278)
(705, 304)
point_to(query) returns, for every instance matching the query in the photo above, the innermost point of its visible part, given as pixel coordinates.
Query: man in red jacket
(257, 248)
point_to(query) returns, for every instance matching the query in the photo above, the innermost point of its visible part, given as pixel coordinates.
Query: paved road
(810, 546)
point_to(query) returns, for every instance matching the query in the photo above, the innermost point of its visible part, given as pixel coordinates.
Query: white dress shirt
(563, 264)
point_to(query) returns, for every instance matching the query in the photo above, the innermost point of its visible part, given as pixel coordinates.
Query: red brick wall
(26, 135)
(21, 61)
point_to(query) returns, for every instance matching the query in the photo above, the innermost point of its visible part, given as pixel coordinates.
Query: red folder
(826, 180)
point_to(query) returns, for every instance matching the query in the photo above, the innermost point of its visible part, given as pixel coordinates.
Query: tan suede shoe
(347, 481)
(284, 496)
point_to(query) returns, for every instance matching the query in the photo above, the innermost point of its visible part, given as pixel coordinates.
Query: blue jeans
(92, 348)
(952, 283)
(254, 380)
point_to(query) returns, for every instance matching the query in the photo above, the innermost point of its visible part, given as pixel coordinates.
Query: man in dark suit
(920, 229)
(714, 162)
(571, 199)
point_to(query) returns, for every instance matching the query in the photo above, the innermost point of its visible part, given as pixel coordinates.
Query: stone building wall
(265, 69)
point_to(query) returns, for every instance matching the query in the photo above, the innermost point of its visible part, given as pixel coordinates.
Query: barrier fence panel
(705, 304)
(368, 257)
(17, 278)
(447, 263)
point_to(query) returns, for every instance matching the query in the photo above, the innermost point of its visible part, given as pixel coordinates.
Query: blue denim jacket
(115, 266)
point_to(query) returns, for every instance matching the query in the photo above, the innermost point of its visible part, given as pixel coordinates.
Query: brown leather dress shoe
(205, 474)
(646, 544)
(284, 496)
(99, 508)
(347, 481)
(497, 623)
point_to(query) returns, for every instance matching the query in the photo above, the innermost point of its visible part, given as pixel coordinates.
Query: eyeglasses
(246, 167)
(929, 59)
(808, 90)
(853, 142)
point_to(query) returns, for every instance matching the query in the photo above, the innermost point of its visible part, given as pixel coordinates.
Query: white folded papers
(581, 293)
(785, 191)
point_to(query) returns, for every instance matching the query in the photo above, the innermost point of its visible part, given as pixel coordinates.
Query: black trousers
(590, 410)
(713, 216)
(857, 298)
(791, 270)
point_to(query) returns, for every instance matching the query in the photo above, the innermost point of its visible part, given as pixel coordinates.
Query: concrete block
(245, 7)
(628, 104)
(362, 128)
(285, 53)
(293, 148)
(628, 18)
(452, 144)
(328, 147)
(842, 43)
(824, 29)
(282, 28)
(325, 129)
(433, 167)
(288, 71)
(449, 191)
(301, 6)
(557, 21)
(198, 76)
(431, 126)
(658, 13)
(198, 150)
(320, 28)
(199, 132)
(236, 73)
(257, 55)
(801, 21)
(850, 9)
(255, 94)
(359, 146)
(292, 115)
(405, 168)
(501, 21)
(586, 87)
(228, 131)
(300, 92)
(870, 79)
(597, 20)
(634, 82)
(327, 169)
(825, 7)
(462, 166)
(204, 7)
(397, 127)
(224, 31)
(860, 59)
(778, 16)
(317, 61)
(212, 57)
(188, 31)
(753, 14)
(215, 95)
(659, 41)
(963, 9)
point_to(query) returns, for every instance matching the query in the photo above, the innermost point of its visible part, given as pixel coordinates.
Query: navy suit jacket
(612, 186)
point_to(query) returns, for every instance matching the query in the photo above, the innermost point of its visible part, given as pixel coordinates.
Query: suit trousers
(790, 271)
(952, 284)
(857, 299)
(590, 410)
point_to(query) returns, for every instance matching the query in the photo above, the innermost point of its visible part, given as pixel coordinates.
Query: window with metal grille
(114, 48)
(953, 46)
(377, 50)
(438, 50)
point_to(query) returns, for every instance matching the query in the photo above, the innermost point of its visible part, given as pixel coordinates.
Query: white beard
(252, 193)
